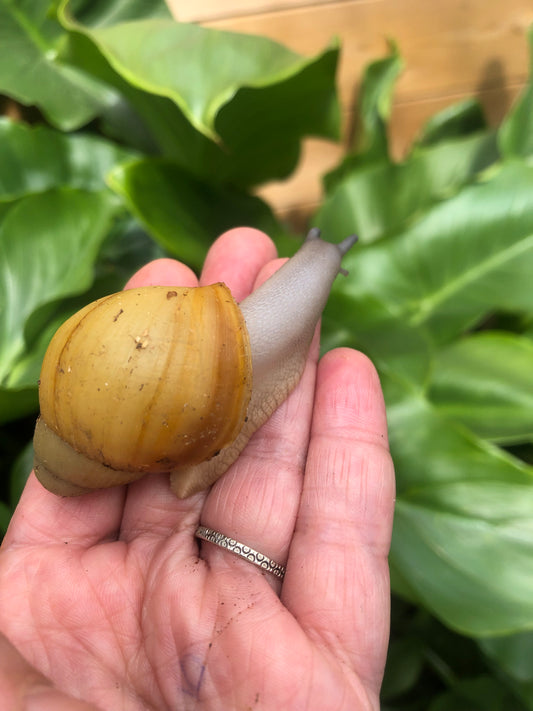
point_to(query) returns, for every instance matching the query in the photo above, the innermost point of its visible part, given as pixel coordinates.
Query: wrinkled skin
(108, 601)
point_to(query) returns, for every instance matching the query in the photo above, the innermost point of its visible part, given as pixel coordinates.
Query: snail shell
(169, 379)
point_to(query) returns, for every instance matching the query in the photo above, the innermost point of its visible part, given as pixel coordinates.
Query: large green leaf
(511, 656)
(455, 121)
(369, 325)
(380, 198)
(200, 69)
(483, 693)
(24, 371)
(463, 532)
(262, 127)
(465, 257)
(36, 159)
(17, 402)
(48, 246)
(126, 249)
(485, 381)
(182, 213)
(32, 72)
(228, 107)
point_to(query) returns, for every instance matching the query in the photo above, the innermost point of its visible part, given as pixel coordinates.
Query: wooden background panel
(448, 45)
(209, 10)
(453, 49)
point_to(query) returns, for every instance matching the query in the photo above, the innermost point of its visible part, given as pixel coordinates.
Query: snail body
(170, 379)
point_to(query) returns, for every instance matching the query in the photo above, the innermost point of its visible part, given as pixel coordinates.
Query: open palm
(114, 602)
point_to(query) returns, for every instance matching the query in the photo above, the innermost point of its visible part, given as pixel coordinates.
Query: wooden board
(210, 10)
(453, 49)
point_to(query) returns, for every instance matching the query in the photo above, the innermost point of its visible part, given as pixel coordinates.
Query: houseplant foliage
(115, 111)
(439, 295)
(148, 137)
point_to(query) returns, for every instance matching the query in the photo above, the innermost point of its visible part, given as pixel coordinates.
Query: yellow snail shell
(159, 379)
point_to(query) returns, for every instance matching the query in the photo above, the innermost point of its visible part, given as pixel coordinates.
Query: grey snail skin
(175, 380)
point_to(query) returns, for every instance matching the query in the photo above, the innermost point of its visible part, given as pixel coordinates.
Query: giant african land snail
(169, 379)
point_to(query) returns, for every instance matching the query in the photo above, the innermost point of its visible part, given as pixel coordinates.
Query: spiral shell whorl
(132, 383)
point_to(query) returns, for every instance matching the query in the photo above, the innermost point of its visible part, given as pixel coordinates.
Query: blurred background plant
(126, 136)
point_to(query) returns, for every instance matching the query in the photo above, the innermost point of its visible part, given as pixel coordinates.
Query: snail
(175, 380)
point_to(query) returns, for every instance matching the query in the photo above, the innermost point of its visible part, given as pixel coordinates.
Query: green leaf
(462, 120)
(5, 517)
(37, 159)
(32, 72)
(19, 474)
(183, 214)
(265, 125)
(380, 199)
(510, 656)
(455, 121)
(513, 654)
(483, 693)
(368, 325)
(48, 245)
(371, 117)
(516, 131)
(25, 370)
(17, 402)
(227, 107)
(465, 257)
(199, 69)
(463, 532)
(126, 248)
(374, 105)
(485, 381)
(405, 660)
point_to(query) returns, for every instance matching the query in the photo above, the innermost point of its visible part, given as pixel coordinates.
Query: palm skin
(113, 604)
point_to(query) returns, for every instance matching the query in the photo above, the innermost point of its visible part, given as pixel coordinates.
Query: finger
(236, 258)
(256, 501)
(163, 272)
(337, 569)
(152, 509)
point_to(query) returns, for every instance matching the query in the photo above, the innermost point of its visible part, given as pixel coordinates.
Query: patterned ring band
(249, 554)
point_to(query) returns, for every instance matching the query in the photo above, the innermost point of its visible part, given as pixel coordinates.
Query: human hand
(112, 601)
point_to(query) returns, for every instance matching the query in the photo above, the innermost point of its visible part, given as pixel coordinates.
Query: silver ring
(249, 554)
